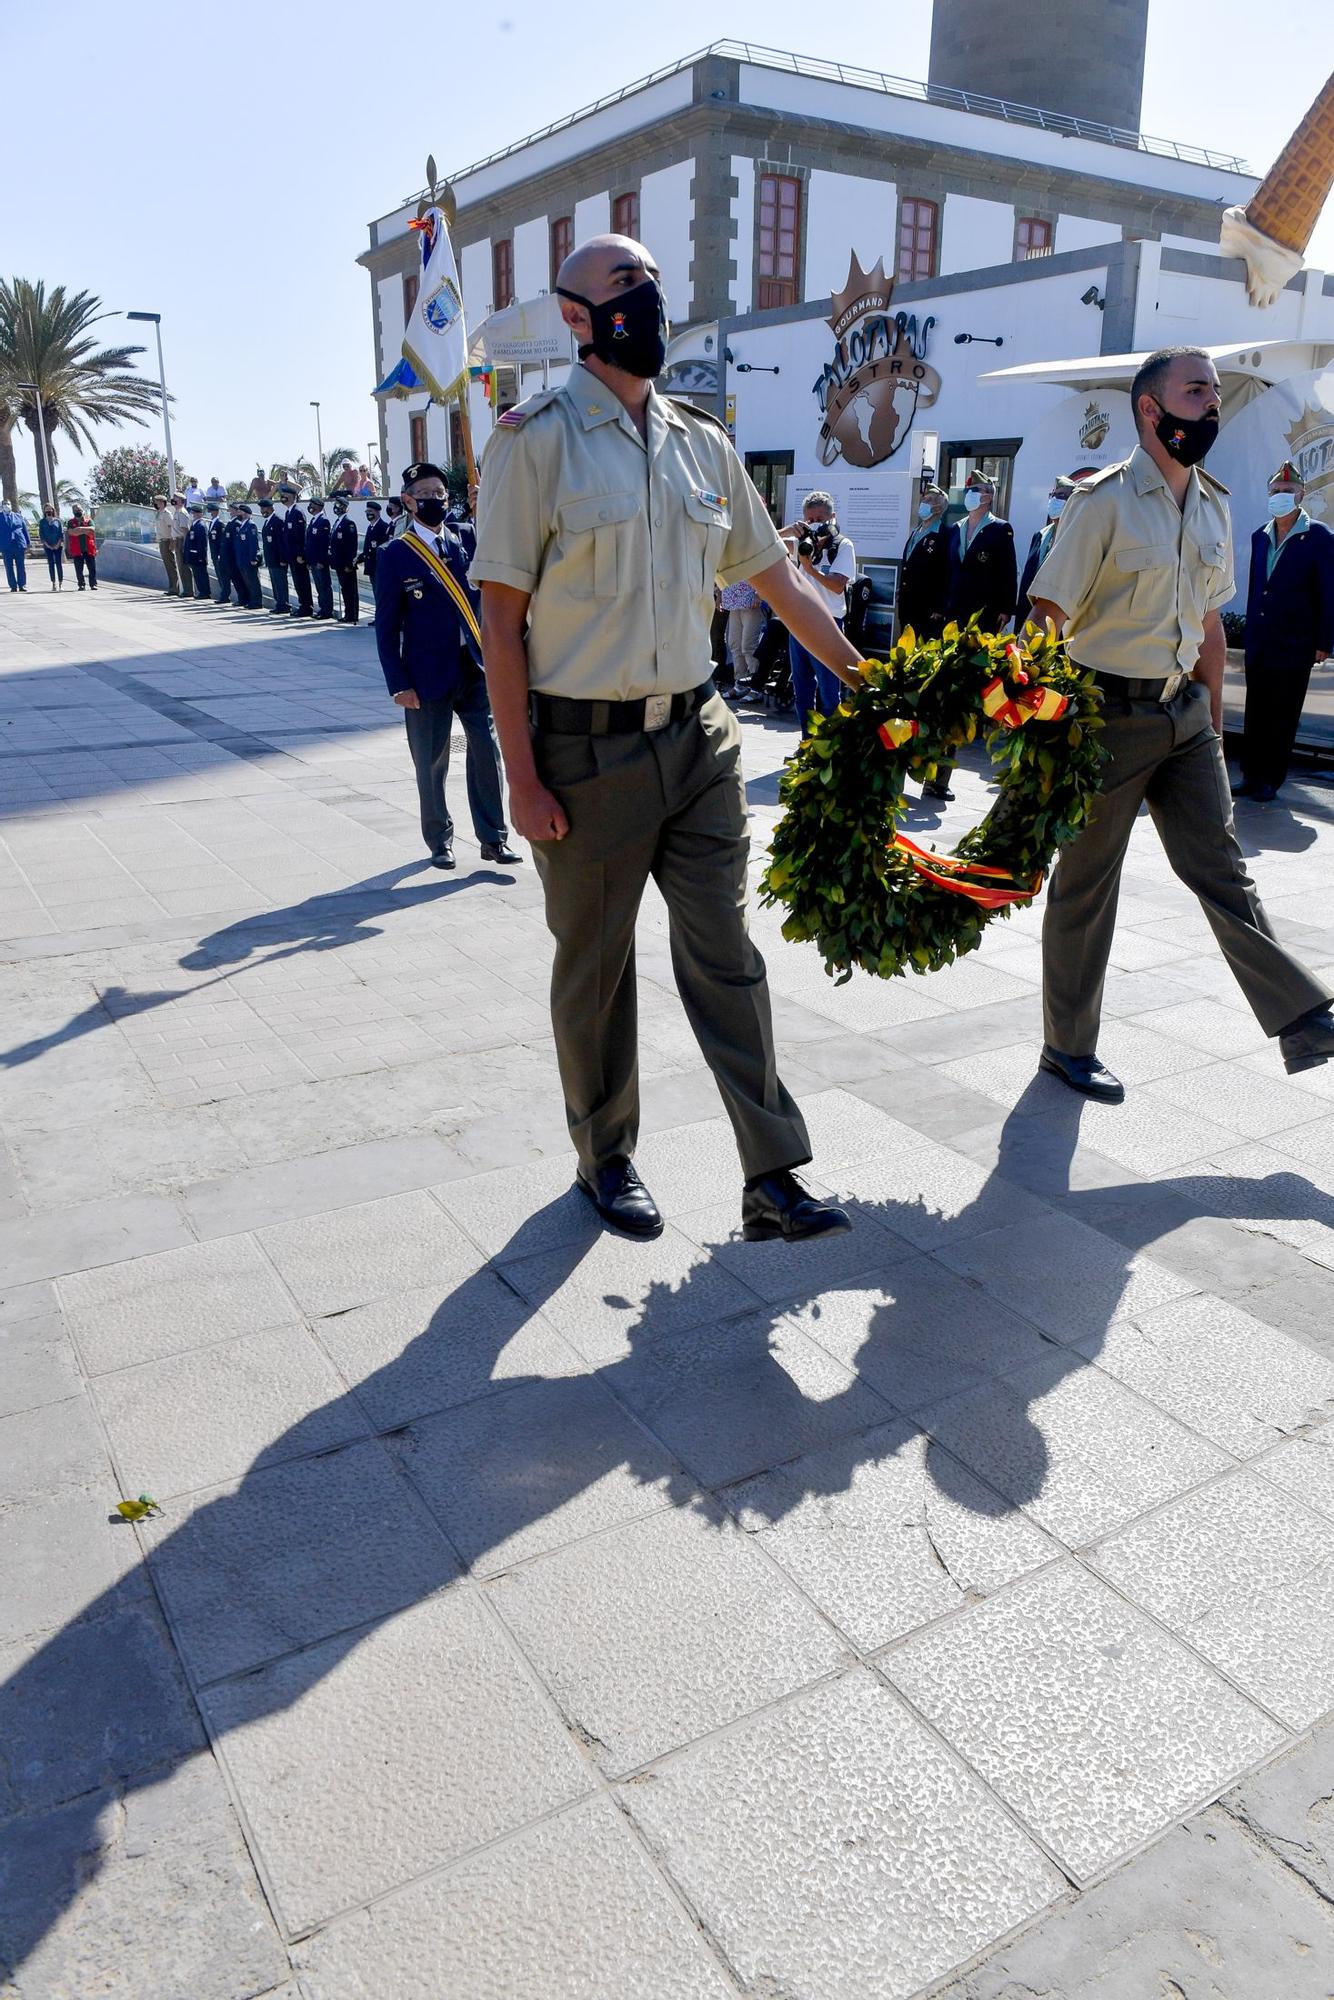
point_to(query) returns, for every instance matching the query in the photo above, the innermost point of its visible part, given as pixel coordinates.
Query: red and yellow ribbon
(949, 871)
(1030, 704)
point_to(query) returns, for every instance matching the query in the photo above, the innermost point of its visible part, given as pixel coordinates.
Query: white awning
(1262, 362)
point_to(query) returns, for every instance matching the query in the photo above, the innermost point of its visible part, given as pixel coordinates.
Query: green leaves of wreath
(838, 862)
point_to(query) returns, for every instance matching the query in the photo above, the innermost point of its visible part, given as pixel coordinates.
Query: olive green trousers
(1167, 757)
(669, 804)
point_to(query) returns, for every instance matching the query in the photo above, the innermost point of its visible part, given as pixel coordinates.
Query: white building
(756, 177)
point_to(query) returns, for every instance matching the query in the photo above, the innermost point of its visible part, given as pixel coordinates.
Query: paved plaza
(535, 1614)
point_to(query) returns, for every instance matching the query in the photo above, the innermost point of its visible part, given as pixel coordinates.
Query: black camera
(815, 535)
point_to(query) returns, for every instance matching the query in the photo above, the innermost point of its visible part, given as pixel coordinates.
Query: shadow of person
(1275, 828)
(483, 1437)
(327, 922)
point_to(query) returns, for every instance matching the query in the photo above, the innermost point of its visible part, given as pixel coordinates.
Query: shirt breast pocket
(1152, 570)
(594, 538)
(709, 524)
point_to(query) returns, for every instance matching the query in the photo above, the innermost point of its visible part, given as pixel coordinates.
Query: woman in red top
(82, 547)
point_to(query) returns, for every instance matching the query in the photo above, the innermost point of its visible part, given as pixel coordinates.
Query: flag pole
(450, 209)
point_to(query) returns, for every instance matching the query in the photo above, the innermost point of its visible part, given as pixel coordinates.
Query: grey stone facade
(1084, 58)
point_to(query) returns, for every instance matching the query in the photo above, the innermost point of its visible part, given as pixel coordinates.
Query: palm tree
(46, 339)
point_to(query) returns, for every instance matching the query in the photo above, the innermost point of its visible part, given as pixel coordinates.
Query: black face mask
(1186, 439)
(431, 512)
(629, 331)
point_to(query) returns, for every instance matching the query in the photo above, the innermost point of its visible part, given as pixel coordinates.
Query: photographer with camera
(822, 553)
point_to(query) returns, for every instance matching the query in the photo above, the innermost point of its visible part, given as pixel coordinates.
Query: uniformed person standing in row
(294, 539)
(1040, 546)
(1139, 570)
(924, 571)
(231, 541)
(377, 534)
(343, 557)
(1289, 626)
(274, 541)
(429, 643)
(984, 574)
(195, 550)
(217, 548)
(605, 513)
(319, 534)
(247, 557)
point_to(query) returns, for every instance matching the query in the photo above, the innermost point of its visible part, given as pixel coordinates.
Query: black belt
(1159, 690)
(563, 717)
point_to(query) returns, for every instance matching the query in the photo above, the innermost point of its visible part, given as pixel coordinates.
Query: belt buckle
(657, 711)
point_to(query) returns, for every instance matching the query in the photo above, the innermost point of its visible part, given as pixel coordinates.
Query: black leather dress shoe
(1083, 1073)
(500, 850)
(621, 1199)
(1264, 795)
(1308, 1043)
(775, 1205)
(937, 791)
(445, 858)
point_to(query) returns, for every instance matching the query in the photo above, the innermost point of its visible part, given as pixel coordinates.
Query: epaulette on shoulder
(705, 416)
(1099, 478)
(1210, 480)
(516, 418)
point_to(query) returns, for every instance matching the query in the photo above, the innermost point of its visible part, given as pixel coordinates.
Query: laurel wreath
(865, 893)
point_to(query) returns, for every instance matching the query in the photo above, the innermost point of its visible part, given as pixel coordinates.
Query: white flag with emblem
(435, 340)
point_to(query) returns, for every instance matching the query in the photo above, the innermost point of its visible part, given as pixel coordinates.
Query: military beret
(213, 507)
(976, 478)
(412, 473)
(1288, 473)
(196, 506)
(268, 504)
(372, 506)
(243, 508)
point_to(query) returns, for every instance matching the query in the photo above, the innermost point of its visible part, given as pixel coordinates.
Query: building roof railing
(891, 86)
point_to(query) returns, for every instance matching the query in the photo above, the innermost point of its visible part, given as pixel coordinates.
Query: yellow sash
(442, 572)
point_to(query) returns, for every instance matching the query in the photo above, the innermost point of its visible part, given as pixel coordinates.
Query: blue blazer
(217, 541)
(196, 543)
(274, 533)
(343, 543)
(246, 547)
(1290, 614)
(319, 532)
(985, 580)
(294, 535)
(422, 640)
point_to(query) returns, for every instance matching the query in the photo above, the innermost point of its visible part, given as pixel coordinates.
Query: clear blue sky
(219, 165)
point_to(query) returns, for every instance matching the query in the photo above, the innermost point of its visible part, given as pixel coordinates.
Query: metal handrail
(890, 86)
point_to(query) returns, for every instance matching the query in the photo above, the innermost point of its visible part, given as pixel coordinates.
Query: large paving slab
(945, 1607)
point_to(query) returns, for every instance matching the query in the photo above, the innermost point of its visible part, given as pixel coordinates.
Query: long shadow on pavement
(307, 1541)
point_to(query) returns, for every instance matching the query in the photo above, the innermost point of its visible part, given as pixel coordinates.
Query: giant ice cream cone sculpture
(1274, 228)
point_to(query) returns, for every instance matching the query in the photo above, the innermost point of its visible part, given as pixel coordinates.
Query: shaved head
(599, 269)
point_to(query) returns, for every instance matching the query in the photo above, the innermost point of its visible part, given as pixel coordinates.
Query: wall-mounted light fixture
(1092, 297)
(985, 339)
(754, 368)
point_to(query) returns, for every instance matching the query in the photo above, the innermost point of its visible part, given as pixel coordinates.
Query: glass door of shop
(993, 458)
(771, 471)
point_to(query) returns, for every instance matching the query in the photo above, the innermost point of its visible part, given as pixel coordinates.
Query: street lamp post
(319, 444)
(156, 319)
(43, 447)
(370, 466)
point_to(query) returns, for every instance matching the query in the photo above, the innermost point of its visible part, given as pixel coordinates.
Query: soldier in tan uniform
(1139, 569)
(606, 512)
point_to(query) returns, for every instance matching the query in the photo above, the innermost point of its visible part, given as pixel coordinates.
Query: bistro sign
(871, 390)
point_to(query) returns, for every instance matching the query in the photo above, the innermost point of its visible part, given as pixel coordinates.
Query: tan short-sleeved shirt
(617, 539)
(1135, 574)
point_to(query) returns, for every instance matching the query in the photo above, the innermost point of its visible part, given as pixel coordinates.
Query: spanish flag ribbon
(441, 571)
(952, 872)
(899, 729)
(1031, 704)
